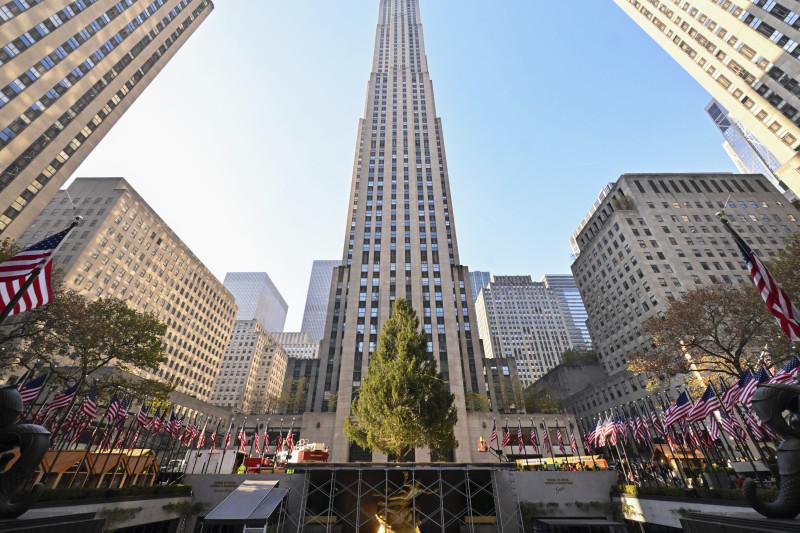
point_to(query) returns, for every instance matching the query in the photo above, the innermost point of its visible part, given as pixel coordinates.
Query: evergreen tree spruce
(403, 403)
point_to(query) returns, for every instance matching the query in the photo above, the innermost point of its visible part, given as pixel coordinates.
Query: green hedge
(702, 492)
(53, 495)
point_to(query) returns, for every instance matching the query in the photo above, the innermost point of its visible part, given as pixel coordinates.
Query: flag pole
(35, 274)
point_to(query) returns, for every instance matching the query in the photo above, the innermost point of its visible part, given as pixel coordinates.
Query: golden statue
(395, 512)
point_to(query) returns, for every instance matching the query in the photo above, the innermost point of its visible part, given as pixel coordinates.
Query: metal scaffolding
(355, 497)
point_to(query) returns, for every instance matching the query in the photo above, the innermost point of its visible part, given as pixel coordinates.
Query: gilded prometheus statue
(33, 443)
(396, 511)
(769, 402)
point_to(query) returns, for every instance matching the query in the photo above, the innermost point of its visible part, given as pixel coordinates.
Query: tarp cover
(253, 500)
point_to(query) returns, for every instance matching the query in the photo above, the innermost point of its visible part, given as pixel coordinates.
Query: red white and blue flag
(520, 442)
(89, 405)
(546, 439)
(704, 406)
(560, 441)
(290, 438)
(63, 399)
(32, 388)
(14, 272)
(572, 441)
(534, 440)
(506, 436)
(789, 373)
(774, 297)
(750, 388)
(491, 440)
(113, 408)
(678, 410)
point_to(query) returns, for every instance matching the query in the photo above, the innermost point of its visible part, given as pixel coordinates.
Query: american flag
(63, 399)
(157, 422)
(632, 426)
(89, 405)
(545, 439)
(776, 299)
(656, 423)
(113, 408)
(730, 396)
(587, 442)
(789, 373)
(134, 439)
(491, 440)
(572, 441)
(242, 439)
(506, 436)
(31, 389)
(201, 439)
(16, 270)
(713, 430)
(520, 442)
(693, 436)
(169, 427)
(177, 424)
(600, 433)
(755, 429)
(534, 441)
(679, 409)
(611, 429)
(227, 441)
(732, 427)
(290, 437)
(704, 406)
(750, 388)
(560, 441)
(77, 430)
(266, 438)
(279, 443)
(214, 438)
(122, 414)
(141, 418)
(256, 441)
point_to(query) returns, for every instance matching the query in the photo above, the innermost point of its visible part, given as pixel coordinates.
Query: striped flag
(256, 442)
(113, 408)
(789, 373)
(491, 440)
(63, 399)
(506, 436)
(122, 414)
(266, 437)
(678, 410)
(141, 418)
(242, 439)
(572, 441)
(534, 440)
(657, 427)
(750, 388)
(227, 441)
(755, 429)
(520, 442)
(560, 441)
(546, 439)
(201, 439)
(31, 389)
(713, 430)
(89, 405)
(213, 438)
(774, 297)
(290, 437)
(731, 395)
(732, 427)
(704, 406)
(157, 422)
(15, 271)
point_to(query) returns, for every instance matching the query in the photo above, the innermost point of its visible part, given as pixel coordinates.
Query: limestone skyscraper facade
(69, 71)
(400, 238)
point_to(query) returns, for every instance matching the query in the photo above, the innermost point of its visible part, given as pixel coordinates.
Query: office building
(521, 319)
(258, 299)
(252, 371)
(572, 309)
(69, 72)
(400, 238)
(478, 280)
(748, 154)
(746, 55)
(654, 238)
(297, 344)
(319, 287)
(123, 249)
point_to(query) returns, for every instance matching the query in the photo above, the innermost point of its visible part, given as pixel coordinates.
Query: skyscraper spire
(400, 238)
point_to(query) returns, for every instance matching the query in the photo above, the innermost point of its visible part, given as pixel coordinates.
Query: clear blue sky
(245, 142)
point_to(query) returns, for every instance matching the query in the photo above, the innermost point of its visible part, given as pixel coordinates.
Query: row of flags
(521, 446)
(685, 413)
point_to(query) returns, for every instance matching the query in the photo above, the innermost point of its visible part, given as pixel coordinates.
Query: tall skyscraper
(319, 288)
(746, 55)
(478, 280)
(653, 238)
(400, 238)
(69, 71)
(123, 249)
(569, 298)
(258, 299)
(747, 153)
(521, 319)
